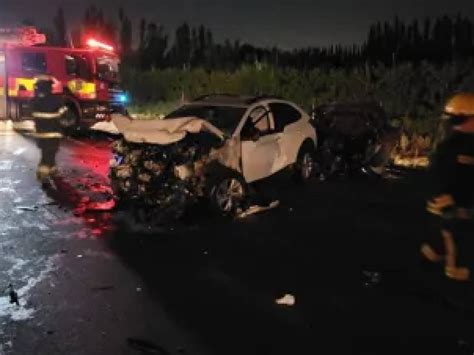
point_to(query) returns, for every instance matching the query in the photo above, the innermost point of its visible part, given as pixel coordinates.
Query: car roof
(360, 106)
(232, 100)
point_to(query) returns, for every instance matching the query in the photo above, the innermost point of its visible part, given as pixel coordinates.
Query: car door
(259, 145)
(288, 131)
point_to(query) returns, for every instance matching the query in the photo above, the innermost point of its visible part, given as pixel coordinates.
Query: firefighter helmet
(459, 111)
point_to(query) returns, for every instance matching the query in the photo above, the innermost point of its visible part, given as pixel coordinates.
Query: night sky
(286, 23)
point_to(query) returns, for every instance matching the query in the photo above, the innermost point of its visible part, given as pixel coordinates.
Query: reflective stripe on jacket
(50, 115)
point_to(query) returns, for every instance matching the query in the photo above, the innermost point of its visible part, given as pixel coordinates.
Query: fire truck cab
(87, 77)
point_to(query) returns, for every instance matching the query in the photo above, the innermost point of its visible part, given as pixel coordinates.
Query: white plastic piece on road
(257, 209)
(286, 300)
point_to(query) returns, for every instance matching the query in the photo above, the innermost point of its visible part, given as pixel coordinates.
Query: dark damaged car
(353, 137)
(210, 148)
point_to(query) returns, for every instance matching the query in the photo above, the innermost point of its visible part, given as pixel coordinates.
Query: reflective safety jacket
(47, 112)
(454, 168)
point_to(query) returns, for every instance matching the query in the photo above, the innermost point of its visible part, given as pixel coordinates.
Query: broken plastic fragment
(257, 209)
(286, 300)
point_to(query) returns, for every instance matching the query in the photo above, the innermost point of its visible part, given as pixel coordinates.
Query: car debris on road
(286, 300)
(14, 299)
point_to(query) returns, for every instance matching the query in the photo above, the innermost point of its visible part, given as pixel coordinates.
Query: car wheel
(228, 193)
(305, 163)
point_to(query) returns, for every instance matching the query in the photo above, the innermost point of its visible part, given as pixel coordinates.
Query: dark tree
(60, 27)
(125, 33)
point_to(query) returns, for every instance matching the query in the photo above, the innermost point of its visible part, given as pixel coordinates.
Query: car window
(260, 119)
(34, 63)
(284, 115)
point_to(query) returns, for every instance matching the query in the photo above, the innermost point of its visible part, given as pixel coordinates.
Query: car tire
(305, 164)
(228, 193)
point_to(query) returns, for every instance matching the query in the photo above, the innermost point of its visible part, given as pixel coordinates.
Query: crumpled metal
(162, 179)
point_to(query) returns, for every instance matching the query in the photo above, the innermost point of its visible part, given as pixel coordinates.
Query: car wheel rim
(307, 166)
(228, 193)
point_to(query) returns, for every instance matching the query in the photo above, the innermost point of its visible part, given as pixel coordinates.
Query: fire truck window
(107, 69)
(34, 63)
(72, 67)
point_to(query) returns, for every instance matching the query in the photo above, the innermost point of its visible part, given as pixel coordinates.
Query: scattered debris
(13, 295)
(101, 206)
(146, 346)
(371, 278)
(103, 288)
(286, 300)
(257, 209)
(27, 208)
(50, 203)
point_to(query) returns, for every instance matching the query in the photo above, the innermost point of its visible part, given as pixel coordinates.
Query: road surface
(347, 251)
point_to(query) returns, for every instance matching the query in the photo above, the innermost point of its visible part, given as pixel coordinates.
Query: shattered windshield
(226, 118)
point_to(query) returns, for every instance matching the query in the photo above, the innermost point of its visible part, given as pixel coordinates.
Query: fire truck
(87, 77)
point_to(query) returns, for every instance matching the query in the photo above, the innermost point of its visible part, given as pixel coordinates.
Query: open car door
(260, 148)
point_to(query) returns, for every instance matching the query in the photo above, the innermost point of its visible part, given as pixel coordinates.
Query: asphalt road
(347, 251)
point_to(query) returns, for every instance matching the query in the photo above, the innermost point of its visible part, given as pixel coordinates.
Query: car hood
(162, 132)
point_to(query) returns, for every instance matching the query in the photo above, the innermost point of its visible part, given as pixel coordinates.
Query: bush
(414, 93)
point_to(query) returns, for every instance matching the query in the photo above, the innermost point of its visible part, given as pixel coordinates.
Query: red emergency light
(93, 43)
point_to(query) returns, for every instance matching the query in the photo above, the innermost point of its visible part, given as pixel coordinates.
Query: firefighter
(48, 109)
(454, 169)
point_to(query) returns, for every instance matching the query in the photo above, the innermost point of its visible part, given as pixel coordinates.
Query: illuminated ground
(208, 286)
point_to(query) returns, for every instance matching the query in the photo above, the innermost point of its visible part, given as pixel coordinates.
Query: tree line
(440, 40)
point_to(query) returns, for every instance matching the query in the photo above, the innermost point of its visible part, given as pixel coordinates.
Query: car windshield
(226, 118)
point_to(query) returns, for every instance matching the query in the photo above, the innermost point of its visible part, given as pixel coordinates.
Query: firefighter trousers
(453, 245)
(49, 148)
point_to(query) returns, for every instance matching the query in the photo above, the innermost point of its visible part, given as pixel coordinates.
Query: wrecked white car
(212, 147)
